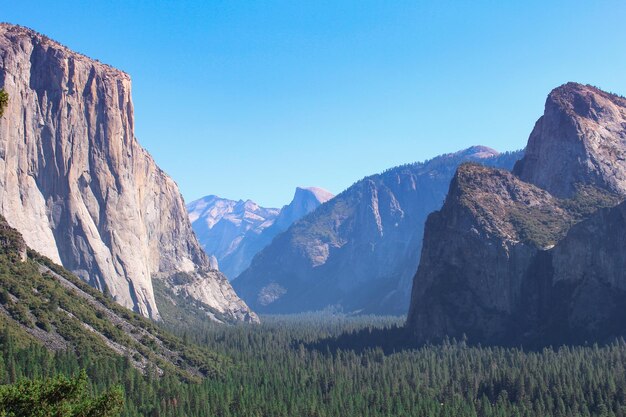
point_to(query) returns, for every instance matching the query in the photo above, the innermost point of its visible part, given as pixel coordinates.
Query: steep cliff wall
(477, 253)
(77, 184)
(534, 257)
(580, 139)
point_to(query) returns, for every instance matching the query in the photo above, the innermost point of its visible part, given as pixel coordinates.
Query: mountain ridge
(357, 252)
(234, 231)
(43, 303)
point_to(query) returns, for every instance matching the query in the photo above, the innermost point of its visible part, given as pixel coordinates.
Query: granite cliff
(81, 190)
(533, 256)
(580, 139)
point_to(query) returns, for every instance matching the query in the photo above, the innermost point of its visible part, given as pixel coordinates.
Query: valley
(302, 365)
(475, 282)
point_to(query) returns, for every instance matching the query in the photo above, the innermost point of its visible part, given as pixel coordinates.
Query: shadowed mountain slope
(358, 252)
(535, 256)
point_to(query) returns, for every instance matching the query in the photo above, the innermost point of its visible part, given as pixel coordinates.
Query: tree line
(291, 366)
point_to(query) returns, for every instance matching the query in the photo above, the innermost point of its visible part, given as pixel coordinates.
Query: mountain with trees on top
(359, 251)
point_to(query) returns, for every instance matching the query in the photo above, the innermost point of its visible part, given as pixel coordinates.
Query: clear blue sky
(249, 99)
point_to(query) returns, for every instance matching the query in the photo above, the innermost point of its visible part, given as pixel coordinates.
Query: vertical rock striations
(476, 254)
(588, 270)
(77, 184)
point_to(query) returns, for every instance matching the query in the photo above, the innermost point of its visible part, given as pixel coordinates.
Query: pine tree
(58, 397)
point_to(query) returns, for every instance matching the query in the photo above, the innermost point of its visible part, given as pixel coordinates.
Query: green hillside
(41, 302)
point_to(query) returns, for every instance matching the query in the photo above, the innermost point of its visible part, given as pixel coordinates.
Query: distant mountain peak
(320, 194)
(234, 231)
(313, 195)
(359, 250)
(305, 200)
(479, 152)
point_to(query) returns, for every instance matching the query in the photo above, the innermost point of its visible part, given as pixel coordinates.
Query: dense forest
(56, 331)
(303, 366)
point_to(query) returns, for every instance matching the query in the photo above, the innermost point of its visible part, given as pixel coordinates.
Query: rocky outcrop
(580, 139)
(305, 200)
(477, 252)
(234, 231)
(533, 257)
(358, 252)
(77, 184)
(211, 292)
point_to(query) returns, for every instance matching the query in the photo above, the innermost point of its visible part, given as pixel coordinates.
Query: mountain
(533, 256)
(579, 140)
(234, 231)
(305, 200)
(358, 252)
(222, 225)
(78, 186)
(44, 304)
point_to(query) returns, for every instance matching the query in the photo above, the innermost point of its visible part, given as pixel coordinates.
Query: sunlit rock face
(77, 184)
(580, 139)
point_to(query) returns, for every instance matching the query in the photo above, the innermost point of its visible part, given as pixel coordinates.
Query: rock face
(534, 256)
(358, 252)
(589, 270)
(305, 200)
(234, 231)
(580, 139)
(77, 184)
